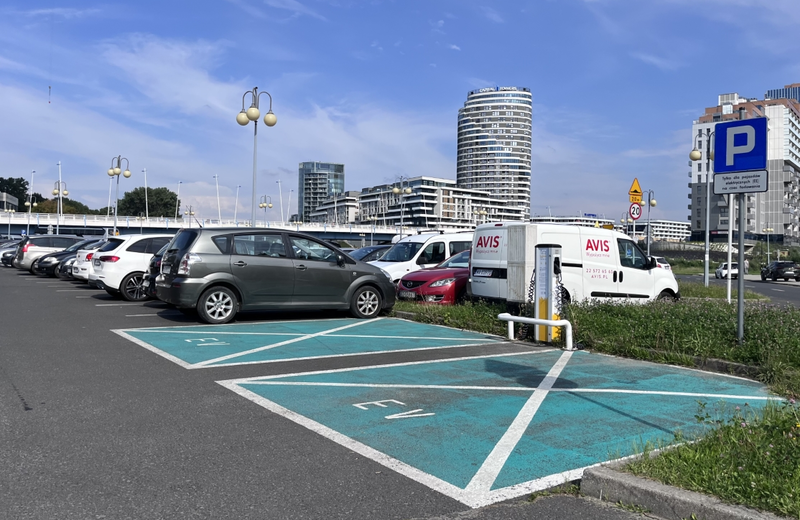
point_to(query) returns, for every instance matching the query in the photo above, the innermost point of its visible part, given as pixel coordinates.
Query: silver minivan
(218, 272)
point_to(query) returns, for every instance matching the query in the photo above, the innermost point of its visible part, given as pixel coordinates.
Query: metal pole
(288, 206)
(731, 222)
(219, 211)
(178, 200)
(116, 205)
(236, 206)
(30, 203)
(708, 207)
(58, 214)
(110, 185)
(740, 296)
(146, 211)
(255, 162)
(280, 194)
(648, 222)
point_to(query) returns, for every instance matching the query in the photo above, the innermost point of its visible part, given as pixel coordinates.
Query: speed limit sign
(635, 211)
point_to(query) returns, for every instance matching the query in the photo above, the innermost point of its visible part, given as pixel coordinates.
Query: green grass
(698, 290)
(752, 458)
(758, 464)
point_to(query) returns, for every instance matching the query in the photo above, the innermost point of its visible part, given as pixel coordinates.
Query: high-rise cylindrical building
(494, 144)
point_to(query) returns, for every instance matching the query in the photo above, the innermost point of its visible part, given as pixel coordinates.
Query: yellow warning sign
(635, 193)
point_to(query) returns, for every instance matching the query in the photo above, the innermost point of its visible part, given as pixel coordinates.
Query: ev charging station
(546, 291)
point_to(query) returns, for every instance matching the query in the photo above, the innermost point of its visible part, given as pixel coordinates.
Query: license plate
(409, 295)
(483, 272)
(96, 263)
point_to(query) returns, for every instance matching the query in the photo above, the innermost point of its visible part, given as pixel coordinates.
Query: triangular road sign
(635, 188)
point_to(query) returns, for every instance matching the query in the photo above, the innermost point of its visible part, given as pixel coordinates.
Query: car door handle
(240, 263)
(301, 267)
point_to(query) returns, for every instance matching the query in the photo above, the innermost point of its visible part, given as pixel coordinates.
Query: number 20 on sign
(635, 211)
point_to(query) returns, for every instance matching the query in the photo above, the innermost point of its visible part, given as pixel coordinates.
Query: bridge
(18, 223)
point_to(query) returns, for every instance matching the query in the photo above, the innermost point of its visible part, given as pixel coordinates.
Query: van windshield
(401, 252)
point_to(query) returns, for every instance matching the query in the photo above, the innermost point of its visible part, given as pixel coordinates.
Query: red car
(444, 284)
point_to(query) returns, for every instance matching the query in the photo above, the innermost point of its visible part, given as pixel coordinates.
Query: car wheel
(366, 303)
(217, 305)
(132, 289)
(666, 295)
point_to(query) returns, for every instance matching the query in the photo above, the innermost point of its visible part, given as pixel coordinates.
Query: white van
(595, 263)
(421, 251)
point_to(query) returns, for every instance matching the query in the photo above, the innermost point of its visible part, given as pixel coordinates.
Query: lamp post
(289, 205)
(178, 199)
(9, 211)
(480, 216)
(280, 197)
(141, 217)
(696, 155)
(372, 235)
(651, 202)
(767, 231)
(219, 211)
(189, 213)
(252, 114)
(266, 202)
(146, 210)
(402, 192)
(116, 170)
(29, 203)
(59, 189)
(236, 207)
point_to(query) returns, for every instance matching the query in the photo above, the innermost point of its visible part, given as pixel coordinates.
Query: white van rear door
(636, 281)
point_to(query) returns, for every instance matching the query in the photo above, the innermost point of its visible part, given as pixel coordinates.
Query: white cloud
(491, 14)
(661, 63)
(454, 47)
(296, 8)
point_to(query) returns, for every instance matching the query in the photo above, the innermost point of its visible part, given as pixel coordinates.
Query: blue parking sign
(740, 146)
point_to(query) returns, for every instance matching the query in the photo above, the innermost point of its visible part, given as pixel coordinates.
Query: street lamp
(116, 170)
(402, 192)
(264, 204)
(29, 203)
(651, 202)
(59, 189)
(373, 219)
(189, 213)
(767, 231)
(696, 155)
(252, 114)
(9, 211)
(141, 217)
(480, 215)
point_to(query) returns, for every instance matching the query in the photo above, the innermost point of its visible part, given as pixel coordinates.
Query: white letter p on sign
(731, 150)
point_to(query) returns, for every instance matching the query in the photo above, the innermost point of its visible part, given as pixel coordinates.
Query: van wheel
(366, 303)
(217, 305)
(666, 295)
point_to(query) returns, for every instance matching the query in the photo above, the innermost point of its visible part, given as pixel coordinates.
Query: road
(779, 292)
(93, 425)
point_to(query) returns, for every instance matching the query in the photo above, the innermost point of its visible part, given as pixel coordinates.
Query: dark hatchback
(785, 270)
(219, 272)
(153, 270)
(47, 265)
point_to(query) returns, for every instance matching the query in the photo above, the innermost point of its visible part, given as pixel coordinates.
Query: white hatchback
(82, 265)
(119, 266)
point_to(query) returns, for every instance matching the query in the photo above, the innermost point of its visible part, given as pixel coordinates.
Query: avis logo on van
(596, 247)
(488, 241)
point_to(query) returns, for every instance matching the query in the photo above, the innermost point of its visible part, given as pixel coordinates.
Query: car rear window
(111, 245)
(183, 240)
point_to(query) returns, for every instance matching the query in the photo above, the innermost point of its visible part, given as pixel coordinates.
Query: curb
(662, 500)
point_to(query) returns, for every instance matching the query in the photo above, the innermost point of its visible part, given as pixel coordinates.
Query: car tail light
(89, 256)
(109, 258)
(188, 259)
(25, 247)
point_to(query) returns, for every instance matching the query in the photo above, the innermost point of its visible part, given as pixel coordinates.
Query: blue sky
(375, 85)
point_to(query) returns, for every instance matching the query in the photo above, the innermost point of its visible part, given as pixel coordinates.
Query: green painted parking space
(483, 429)
(202, 346)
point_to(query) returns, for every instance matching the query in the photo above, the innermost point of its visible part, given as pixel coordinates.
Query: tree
(161, 202)
(68, 207)
(16, 187)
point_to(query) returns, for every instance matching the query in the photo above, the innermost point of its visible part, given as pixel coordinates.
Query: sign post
(740, 166)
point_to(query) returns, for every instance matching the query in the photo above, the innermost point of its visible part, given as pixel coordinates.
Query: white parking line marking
(115, 304)
(83, 296)
(77, 290)
(779, 290)
(151, 314)
(282, 343)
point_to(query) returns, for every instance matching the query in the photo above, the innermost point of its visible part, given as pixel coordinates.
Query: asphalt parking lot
(105, 413)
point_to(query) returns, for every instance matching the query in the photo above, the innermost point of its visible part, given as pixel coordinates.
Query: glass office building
(494, 144)
(316, 182)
